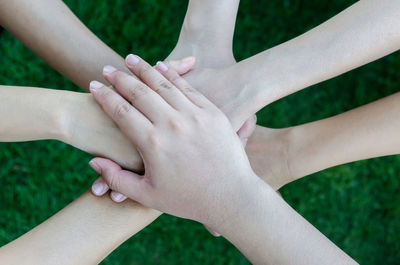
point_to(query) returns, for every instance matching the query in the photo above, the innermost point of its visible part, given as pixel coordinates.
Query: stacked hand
(210, 74)
(168, 118)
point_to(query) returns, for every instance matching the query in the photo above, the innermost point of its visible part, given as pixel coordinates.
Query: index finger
(131, 121)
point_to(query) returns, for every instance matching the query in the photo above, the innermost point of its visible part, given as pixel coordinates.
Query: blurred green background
(355, 205)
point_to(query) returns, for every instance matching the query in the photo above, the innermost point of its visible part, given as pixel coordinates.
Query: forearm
(366, 132)
(207, 33)
(30, 114)
(220, 14)
(84, 232)
(271, 232)
(53, 32)
(364, 32)
(280, 156)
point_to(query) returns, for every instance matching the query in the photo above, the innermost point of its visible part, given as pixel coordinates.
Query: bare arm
(281, 156)
(36, 113)
(207, 33)
(364, 32)
(53, 32)
(180, 144)
(84, 232)
(25, 114)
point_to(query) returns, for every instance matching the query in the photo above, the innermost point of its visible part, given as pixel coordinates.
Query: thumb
(247, 129)
(182, 66)
(128, 183)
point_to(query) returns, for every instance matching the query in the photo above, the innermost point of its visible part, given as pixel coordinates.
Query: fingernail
(244, 141)
(116, 196)
(95, 85)
(108, 69)
(98, 188)
(132, 60)
(162, 66)
(96, 167)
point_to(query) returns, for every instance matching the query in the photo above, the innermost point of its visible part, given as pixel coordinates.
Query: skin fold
(59, 25)
(80, 61)
(173, 126)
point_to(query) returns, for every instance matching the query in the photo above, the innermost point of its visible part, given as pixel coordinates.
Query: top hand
(196, 168)
(171, 118)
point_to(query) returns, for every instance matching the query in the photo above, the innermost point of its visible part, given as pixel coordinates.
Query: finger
(117, 197)
(122, 181)
(186, 89)
(133, 123)
(99, 187)
(182, 66)
(156, 81)
(247, 129)
(212, 232)
(143, 98)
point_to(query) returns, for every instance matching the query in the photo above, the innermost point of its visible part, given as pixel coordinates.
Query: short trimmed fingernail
(117, 196)
(98, 188)
(244, 141)
(132, 60)
(108, 69)
(96, 167)
(255, 118)
(162, 66)
(95, 85)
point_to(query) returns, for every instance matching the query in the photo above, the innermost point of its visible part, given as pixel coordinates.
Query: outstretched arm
(84, 232)
(36, 113)
(207, 33)
(280, 156)
(366, 31)
(52, 31)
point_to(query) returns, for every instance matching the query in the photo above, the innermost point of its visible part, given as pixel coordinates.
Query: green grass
(355, 205)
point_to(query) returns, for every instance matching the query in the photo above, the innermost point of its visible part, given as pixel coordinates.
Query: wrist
(304, 155)
(210, 22)
(57, 125)
(239, 213)
(279, 72)
(236, 199)
(69, 103)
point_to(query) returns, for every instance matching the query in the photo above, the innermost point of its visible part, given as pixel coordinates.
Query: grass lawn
(356, 205)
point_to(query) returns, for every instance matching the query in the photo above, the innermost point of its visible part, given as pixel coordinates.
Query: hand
(88, 129)
(173, 119)
(215, 74)
(100, 187)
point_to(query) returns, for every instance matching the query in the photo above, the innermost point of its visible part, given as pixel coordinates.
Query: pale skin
(74, 125)
(84, 232)
(365, 132)
(88, 62)
(171, 124)
(364, 32)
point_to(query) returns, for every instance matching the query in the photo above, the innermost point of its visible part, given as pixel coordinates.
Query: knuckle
(137, 91)
(162, 85)
(113, 181)
(177, 125)
(121, 110)
(187, 89)
(199, 119)
(154, 141)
